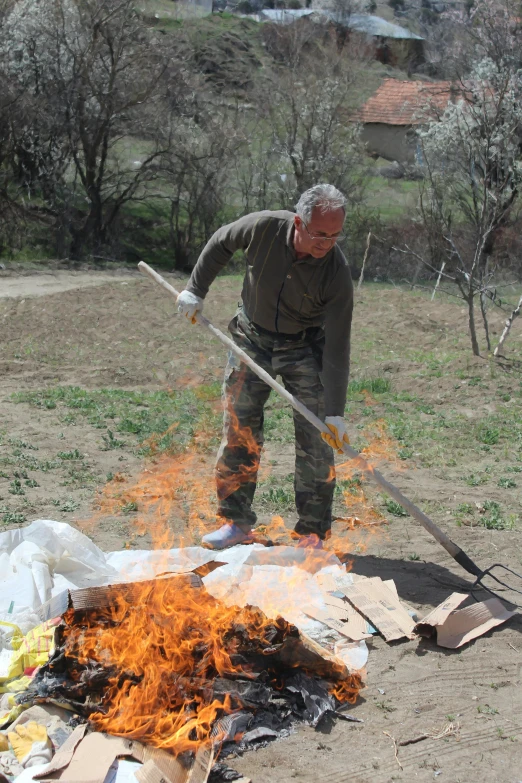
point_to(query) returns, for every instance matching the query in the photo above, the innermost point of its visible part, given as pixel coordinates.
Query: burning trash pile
(148, 665)
(168, 662)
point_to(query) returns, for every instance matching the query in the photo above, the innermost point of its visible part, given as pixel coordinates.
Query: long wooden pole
(358, 461)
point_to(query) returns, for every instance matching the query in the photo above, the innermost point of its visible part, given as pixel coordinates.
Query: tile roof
(405, 102)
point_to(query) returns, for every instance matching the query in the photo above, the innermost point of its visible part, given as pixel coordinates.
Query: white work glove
(189, 305)
(337, 427)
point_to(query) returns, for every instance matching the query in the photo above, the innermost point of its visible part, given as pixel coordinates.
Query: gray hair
(324, 197)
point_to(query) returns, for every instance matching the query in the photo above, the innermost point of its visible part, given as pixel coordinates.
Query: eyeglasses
(320, 238)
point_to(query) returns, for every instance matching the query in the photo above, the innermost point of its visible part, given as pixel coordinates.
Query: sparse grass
(372, 385)
(385, 706)
(74, 454)
(485, 709)
(15, 487)
(156, 421)
(394, 508)
(506, 482)
(465, 508)
(67, 505)
(492, 517)
(350, 486)
(111, 442)
(130, 507)
(475, 481)
(488, 435)
(13, 518)
(279, 425)
(277, 499)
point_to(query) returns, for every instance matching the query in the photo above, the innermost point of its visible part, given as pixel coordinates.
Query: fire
(166, 648)
(381, 445)
(172, 487)
(162, 653)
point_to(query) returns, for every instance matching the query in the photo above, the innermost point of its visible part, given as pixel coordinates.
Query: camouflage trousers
(297, 360)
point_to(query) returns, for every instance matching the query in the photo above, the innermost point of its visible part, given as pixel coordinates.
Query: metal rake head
(502, 583)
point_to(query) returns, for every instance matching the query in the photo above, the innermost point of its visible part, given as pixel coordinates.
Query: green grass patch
(13, 518)
(279, 425)
(372, 385)
(506, 482)
(394, 508)
(493, 518)
(155, 421)
(277, 499)
(351, 485)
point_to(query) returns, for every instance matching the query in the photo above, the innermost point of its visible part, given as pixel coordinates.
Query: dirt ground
(119, 331)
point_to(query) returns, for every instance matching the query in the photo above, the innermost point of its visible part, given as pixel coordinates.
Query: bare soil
(121, 332)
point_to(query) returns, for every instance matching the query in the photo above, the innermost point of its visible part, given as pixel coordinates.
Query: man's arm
(219, 250)
(336, 354)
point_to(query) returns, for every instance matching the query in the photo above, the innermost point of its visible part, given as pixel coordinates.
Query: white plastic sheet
(46, 557)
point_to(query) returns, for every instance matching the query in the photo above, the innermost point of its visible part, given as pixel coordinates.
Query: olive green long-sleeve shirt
(285, 294)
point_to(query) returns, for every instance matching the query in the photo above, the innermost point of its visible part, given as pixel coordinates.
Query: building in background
(395, 110)
(385, 41)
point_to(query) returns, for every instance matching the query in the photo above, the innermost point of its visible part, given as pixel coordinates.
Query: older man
(294, 321)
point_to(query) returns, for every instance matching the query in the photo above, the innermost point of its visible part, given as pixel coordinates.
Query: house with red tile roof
(390, 116)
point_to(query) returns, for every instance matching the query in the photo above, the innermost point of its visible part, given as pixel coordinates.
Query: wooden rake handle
(359, 462)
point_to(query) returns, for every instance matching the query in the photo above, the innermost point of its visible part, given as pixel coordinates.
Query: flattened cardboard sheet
(439, 615)
(93, 756)
(63, 755)
(340, 616)
(326, 582)
(202, 765)
(463, 625)
(151, 773)
(373, 599)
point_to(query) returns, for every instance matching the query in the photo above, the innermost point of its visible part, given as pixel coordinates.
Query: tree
(473, 174)
(92, 76)
(306, 108)
(195, 174)
(476, 30)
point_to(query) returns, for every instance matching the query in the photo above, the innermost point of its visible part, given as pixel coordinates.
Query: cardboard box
(97, 597)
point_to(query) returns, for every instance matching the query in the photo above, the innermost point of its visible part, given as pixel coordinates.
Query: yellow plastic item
(29, 652)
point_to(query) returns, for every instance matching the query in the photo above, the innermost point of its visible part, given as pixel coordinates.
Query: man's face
(318, 236)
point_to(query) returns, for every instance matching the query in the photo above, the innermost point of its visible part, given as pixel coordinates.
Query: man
(295, 322)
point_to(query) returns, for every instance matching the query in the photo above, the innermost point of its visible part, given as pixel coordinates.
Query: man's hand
(189, 305)
(338, 436)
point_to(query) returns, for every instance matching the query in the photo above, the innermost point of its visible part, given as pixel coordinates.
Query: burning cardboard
(452, 627)
(164, 663)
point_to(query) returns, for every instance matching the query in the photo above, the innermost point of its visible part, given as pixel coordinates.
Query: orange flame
(166, 648)
(381, 444)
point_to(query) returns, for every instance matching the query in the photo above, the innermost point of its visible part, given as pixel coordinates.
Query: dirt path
(118, 354)
(54, 283)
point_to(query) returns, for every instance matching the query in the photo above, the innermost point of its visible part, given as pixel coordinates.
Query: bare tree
(96, 70)
(473, 175)
(306, 108)
(195, 178)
